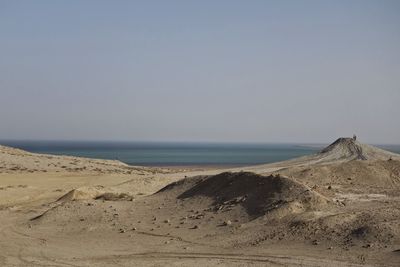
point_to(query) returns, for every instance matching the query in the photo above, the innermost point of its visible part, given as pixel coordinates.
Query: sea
(176, 153)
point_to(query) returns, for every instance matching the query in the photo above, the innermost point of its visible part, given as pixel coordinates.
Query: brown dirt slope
(368, 174)
(256, 193)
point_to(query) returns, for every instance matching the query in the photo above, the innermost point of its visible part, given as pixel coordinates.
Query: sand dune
(339, 207)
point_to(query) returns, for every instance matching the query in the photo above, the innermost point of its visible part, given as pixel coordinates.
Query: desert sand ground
(339, 207)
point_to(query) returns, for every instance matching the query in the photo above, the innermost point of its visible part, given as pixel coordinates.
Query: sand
(339, 207)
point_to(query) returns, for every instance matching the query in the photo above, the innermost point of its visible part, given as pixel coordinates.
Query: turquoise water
(174, 154)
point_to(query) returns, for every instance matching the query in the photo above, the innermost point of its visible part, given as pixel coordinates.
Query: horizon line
(179, 141)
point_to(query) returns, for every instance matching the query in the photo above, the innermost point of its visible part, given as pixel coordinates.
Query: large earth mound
(341, 151)
(243, 194)
(257, 194)
(346, 165)
(349, 148)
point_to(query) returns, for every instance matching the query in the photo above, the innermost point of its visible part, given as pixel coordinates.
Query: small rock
(200, 216)
(226, 223)
(133, 228)
(122, 230)
(329, 187)
(315, 242)
(195, 227)
(166, 221)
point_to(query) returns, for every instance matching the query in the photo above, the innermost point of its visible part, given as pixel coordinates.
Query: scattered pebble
(226, 223)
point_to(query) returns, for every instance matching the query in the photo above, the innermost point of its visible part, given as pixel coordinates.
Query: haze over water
(223, 71)
(175, 154)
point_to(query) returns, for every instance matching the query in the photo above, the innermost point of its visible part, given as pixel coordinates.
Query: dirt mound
(77, 198)
(341, 151)
(97, 192)
(258, 194)
(350, 149)
(83, 193)
(346, 147)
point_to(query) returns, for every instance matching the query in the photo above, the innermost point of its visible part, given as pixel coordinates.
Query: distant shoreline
(177, 155)
(195, 167)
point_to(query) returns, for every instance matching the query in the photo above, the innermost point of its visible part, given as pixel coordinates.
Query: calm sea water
(174, 154)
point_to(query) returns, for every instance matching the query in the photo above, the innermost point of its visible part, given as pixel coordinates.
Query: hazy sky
(257, 71)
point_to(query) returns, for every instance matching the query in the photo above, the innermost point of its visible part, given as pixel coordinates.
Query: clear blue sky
(256, 71)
